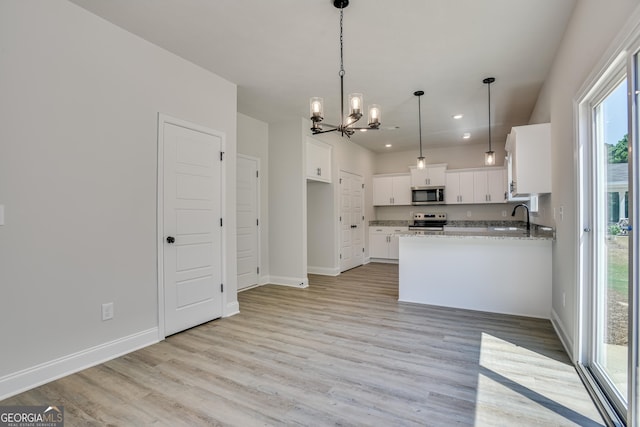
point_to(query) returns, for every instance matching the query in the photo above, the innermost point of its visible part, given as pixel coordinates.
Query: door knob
(171, 239)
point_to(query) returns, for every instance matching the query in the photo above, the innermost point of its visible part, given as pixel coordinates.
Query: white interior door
(247, 221)
(191, 227)
(352, 221)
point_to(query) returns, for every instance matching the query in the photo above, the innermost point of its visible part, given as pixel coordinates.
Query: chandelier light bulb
(421, 163)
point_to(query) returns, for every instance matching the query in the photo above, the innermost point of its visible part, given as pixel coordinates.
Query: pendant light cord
(420, 125)
(341, 73)
(489, 108)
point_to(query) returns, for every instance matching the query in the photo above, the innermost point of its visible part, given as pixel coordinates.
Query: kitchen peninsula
(496, 269)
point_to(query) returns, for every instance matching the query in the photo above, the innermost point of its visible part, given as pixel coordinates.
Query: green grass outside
(618, 264)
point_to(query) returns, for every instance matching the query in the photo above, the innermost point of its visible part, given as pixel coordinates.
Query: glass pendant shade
(374, 115)
(355, 103)
(489, 158)
(316, 110)
(421, 163)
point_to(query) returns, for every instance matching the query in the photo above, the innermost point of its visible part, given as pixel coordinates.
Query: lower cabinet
(383, 242)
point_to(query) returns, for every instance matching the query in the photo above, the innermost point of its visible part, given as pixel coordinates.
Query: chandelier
(421, 160)
(355, 101)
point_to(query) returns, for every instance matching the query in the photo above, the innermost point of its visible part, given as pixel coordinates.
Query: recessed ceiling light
(458, 116)
(466, 135)
(388, 145)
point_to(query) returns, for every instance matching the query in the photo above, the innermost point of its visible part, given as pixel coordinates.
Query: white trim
(565, 338)
(232, 308)
(324, 271)
(43, 373)
(228, 309)
(384, 260)
(296, 282)
(258, 212)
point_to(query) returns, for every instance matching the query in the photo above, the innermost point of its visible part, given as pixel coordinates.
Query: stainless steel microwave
(427, 195)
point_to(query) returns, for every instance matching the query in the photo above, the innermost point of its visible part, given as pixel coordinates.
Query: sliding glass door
(609, 243)
(609, 311)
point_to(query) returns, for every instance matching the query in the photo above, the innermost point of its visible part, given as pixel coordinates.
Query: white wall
(593, 26)
(253, 140)
(79, 108)
(456, 157)
(287, 203)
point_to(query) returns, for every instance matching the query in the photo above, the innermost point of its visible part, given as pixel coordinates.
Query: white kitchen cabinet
(390, 190)
(458, 187)
(490, 186)
(318, 160)
(431, 175)
(530, 164)
(384, 242)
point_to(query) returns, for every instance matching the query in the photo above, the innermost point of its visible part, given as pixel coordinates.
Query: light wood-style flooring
(342, 352)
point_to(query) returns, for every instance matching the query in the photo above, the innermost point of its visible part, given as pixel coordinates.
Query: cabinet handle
(319, 172)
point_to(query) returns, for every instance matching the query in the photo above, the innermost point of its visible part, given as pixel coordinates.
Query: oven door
(427, 195)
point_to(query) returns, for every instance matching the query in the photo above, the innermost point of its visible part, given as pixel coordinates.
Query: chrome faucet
(527, 209)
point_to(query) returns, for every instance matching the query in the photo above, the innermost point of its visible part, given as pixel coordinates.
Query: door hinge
(221, 155)
(340, 181)
(363, 217)
(221, 287)
(340, 219)
(220, 222)
(257, 222)
(362, 185)
(257, 174)
(258, 270)
(362, 250)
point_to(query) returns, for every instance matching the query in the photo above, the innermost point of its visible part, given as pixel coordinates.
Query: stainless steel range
(428, 222)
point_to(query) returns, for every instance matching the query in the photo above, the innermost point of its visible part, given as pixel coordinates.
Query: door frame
(162, 120)
(258, 215)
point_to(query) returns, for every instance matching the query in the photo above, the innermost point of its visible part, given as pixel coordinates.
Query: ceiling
(282, 52)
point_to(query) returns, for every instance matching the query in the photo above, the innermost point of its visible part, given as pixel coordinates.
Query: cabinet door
(466, 187)
(436, 175)
(452, 188)
(496, 185)
(378, 244)
(480, 187)
(382, 191)
(402, 190)
(318, 160)
(394, 246)
(418, 177)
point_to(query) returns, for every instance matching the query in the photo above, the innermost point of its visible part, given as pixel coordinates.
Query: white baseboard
(324, 271)
(289, 281)
(384, 260)
(232, 309)
(565, 339)
(43, 373)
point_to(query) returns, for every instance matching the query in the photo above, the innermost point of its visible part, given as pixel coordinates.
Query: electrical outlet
(561, 213)
(504, 214)
(107, 311)
(468, 214)
(564, 299)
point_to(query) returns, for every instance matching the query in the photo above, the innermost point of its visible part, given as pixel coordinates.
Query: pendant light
(356, 108)
(489, 156)
(421, 161)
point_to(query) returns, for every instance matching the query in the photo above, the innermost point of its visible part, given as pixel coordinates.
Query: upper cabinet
(529, 159)
(490, 186)
(390, 190)
(431, 175)
(318, 160)
(459, 187)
